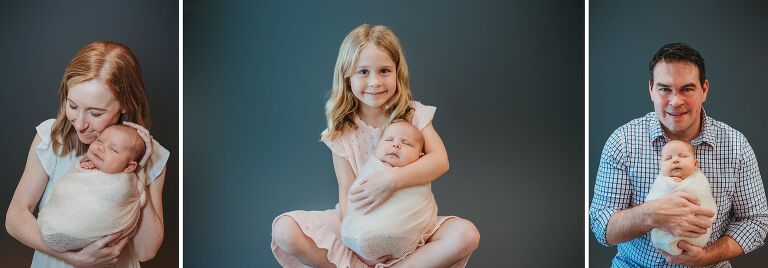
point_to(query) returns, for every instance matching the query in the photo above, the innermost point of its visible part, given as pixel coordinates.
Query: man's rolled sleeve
(750, 209)
(613, 189)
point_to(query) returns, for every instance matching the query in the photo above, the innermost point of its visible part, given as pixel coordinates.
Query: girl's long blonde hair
(342, 105)
(118, 68)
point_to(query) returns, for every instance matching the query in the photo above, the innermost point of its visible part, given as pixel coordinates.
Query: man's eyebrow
(89, 108)
(688, 85)
(659, 84)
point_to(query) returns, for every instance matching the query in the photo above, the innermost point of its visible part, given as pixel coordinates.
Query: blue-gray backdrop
(624, 35)
(507, 78)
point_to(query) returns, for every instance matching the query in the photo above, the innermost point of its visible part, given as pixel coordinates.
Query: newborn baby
(101, 196)
(679, 172)
(397, 226)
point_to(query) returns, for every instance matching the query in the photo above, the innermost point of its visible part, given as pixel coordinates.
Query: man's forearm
(628, 224)
(723, 249)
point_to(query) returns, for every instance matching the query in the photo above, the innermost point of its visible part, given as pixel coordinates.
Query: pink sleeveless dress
(324, 227)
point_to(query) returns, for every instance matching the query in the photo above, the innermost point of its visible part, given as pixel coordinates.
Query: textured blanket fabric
(89, 204)
(697, 185)
(396, 227)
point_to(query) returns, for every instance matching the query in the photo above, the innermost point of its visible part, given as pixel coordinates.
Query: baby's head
(400, 145)
(678, 159)
(118, 148)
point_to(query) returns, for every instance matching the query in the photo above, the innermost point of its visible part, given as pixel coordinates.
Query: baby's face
(400, 145)
(677, 160)
(114, 151)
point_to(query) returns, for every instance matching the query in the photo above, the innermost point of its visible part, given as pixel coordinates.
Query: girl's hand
(98, 253)
(372, 191)
(144, 133)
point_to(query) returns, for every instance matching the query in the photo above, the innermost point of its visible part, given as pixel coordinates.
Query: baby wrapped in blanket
(679, 172)
(100, 197)
(397, 226)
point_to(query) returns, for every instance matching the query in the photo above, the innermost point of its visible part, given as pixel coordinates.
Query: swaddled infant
(680, 172)
(397, 226)
(100, 196)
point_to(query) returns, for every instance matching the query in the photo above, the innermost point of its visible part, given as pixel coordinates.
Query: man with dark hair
(629, 163)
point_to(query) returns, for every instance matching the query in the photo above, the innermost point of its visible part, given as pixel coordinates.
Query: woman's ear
(131, 167)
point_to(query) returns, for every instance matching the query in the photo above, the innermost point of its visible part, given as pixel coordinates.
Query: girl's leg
(451, 243)
(288, 236)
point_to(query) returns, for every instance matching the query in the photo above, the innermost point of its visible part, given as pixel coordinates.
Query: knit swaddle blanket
(89, 204)
(697, 185)
(395, 227)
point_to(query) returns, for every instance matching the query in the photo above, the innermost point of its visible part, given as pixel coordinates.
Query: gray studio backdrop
(624, 35)
(38, 40)
(507, 80)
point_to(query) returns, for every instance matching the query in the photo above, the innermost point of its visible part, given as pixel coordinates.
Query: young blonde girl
(371, 89)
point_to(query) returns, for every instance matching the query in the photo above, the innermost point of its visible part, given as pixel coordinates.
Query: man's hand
(678, 214)
(87, 164)
(692, 255)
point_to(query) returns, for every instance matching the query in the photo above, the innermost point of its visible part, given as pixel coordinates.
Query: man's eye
(664, 89)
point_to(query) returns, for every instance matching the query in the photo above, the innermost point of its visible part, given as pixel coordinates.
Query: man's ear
(131, 167)
(705, 90)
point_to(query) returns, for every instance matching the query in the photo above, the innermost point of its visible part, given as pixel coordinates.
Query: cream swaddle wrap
(394, 228)
(697, 185)
(89, 204)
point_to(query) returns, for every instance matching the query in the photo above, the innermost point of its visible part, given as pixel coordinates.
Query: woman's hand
(98, 253)
(372, 191)
(144, 133)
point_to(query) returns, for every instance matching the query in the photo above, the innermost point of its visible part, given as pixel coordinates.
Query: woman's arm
(428, 168)
(20, 221)
(149, 236)
(345, 177)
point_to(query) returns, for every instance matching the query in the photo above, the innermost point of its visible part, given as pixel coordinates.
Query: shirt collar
(706, 135)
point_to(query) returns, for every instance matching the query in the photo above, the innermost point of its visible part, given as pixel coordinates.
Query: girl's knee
(286, 234)
(466, 235)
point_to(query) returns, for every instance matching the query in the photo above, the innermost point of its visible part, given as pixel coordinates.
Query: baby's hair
(342, 104)
(420, 138)
(687, 145)
(137, 145)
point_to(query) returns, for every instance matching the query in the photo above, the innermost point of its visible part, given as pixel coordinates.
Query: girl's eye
(386, 71)
(363, 71)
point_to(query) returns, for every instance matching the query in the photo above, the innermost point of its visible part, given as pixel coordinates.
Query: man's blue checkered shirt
(629, 165)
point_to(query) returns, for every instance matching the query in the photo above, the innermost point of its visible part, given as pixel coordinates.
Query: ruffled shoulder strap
(45, 149)
(334, 144)
(422, 114)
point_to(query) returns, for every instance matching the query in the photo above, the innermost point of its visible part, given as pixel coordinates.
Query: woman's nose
(80, 123)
